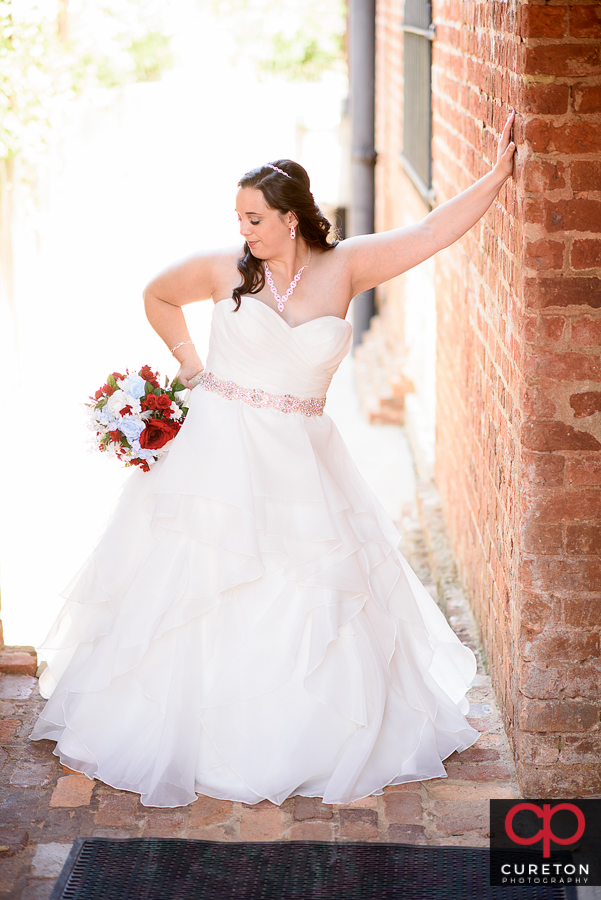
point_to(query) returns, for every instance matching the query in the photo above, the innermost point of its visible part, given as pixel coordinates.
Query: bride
(246, 628)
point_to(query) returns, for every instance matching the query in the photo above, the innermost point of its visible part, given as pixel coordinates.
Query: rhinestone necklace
(281, 300)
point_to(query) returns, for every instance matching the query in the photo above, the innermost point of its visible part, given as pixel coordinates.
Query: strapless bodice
(255, 347)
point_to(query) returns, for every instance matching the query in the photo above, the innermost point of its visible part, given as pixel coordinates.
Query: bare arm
(375, 258)
(189, 281)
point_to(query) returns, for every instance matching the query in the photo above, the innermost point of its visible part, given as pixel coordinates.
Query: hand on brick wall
(506, 149)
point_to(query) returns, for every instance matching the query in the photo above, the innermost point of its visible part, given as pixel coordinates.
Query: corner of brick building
(518, 371)
(557, 729)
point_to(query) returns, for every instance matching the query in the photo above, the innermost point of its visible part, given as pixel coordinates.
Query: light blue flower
(105, 418)
(131, 427)
(133, 385)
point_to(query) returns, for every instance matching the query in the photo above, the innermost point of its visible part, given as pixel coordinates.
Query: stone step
(380, 381)
(18, 661)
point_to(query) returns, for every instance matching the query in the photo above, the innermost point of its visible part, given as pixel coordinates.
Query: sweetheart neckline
(291, 327)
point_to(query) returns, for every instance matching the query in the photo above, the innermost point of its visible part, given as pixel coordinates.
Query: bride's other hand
(187, 371)
(506, 149)
(190, 363)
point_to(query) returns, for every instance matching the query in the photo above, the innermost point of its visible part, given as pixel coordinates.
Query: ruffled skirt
(246, 628)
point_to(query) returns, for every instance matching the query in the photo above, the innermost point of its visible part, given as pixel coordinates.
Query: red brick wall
(558, 737)
(518, 371)
(479, 359)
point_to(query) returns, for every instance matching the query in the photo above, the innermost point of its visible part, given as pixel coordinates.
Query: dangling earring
(292, 233)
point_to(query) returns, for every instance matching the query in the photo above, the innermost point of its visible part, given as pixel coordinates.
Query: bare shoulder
(337, 261)
(225, 272)
(344, 249)
(368, 260)
(196, 277)
(344, 253)
(334, 258)
(227, 256)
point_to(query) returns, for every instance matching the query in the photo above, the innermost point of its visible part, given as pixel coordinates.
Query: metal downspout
(362, 47)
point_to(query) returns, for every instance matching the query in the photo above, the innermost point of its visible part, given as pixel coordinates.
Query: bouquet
(134, 419)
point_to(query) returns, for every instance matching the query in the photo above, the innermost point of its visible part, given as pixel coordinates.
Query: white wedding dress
(246, 628)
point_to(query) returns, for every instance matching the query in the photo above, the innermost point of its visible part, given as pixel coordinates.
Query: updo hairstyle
(286, 195)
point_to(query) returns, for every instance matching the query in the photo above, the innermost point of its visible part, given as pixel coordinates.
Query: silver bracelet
(181, 344)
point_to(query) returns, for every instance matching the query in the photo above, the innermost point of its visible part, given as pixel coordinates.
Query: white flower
(111, 449)
(116, 402)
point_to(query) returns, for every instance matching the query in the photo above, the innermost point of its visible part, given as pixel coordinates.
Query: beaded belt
(286, 403)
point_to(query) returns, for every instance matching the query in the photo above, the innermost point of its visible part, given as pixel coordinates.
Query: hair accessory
(292, 233)
(281, 300)
(275, 169)
(181, 344)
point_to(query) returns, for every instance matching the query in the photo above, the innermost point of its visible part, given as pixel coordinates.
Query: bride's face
(264, 229)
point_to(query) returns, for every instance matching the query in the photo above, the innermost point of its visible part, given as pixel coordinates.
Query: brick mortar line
(525, 78)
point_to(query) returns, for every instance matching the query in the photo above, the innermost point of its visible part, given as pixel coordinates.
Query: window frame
(425, 190)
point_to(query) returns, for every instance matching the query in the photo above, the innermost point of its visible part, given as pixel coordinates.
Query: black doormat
(169, 869)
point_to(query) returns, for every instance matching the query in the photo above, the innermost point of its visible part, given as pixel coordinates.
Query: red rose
(118, 377)
(99, 393)
(115, 435)
(126, 411)
(148, 375)
(163, 402)
(150, 402)
(107, 389)
(156, 434)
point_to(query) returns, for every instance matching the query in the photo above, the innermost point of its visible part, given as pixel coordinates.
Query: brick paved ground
(44, 807)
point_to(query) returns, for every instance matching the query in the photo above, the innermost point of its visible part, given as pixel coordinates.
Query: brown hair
(285, 194)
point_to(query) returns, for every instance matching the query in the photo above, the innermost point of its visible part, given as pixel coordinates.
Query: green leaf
(125, 442)
(148, 388)
(111, 380)
(102, 402)
(178, 386)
